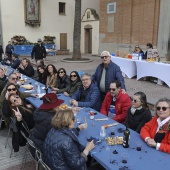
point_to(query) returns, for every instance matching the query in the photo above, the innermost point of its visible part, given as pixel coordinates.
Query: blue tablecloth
(146, 159)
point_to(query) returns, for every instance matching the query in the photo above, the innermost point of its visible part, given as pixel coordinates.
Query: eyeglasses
(134, 100)
(85, 79)
(163, 108)
(14, 78)
(111, 89)
(102, 57)
(73, 75)
(61, 71)
(13, 89)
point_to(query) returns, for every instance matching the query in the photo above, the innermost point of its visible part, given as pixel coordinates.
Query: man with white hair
(106, 73)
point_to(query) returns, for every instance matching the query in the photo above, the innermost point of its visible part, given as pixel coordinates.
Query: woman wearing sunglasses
(75, 84)
(156, 132)
(63, 81)
(138, 114)
(12, 89)
(20, 115)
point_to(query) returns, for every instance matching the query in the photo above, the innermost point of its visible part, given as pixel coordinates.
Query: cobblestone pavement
(153, 92)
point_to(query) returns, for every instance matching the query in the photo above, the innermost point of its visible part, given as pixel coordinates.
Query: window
(62, 8)
(111, 8)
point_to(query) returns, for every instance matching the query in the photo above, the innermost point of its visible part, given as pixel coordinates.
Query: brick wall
(135, 22)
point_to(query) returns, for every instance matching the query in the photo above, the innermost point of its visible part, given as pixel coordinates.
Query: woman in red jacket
(156, 133)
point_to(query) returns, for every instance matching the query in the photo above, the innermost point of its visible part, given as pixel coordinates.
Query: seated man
(88, 95)
(15, 61)
(6, 60)
(118, 97)
(26, 68)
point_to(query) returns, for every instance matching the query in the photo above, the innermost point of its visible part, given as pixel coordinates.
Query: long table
(143, 69)
(147, 158)
(153, 69)
(128, 67)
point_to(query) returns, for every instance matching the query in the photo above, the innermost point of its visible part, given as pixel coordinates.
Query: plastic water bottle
(112, 112)
(102, 132)
(140, 57)
(39, 89)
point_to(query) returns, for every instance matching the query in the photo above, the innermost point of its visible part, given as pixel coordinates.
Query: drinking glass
(138, 145)
(125, 157)
(78, 119)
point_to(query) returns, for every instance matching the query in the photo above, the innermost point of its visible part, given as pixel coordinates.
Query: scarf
(162, 131)
(133, 110)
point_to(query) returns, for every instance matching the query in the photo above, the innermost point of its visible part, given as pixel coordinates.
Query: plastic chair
(29, 144)
(7, 143)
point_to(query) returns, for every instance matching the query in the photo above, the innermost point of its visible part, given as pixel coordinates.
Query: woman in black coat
(138, 114)
(42, 76)
(19, 115)
(63, 81)
(43, 117)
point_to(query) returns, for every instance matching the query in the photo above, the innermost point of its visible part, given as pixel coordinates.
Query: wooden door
(63, 41)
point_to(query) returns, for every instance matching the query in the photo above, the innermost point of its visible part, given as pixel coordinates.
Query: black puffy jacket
(62, 151)
(42, 126)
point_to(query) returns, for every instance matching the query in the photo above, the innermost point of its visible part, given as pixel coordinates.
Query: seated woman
(61, 149)
(75, 84)
(42, 76)
(138, 114)
(19, 115)
(9, 90)
(138, 50)
(15, 103)
(51, 72)
(43, 117)
(63, 81)
(156, 132)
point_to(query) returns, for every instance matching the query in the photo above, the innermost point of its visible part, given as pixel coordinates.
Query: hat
(39, 40)
(50, 101)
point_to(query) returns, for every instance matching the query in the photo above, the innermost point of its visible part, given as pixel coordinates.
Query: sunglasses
(134, 100)
(61, 71)
(111, 89)
(15, 99)
(13, 89)
(14, 78)
(18, 77)
(102, 57)
(73, 75)
(163, 108)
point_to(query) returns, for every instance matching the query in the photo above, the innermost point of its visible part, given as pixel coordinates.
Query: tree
(77, 31)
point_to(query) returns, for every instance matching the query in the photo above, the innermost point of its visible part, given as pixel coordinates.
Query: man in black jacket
(26, 68)
(9, 49)
(15, 61)
(38, 51)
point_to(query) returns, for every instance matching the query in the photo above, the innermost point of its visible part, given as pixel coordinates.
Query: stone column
(163, 44)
